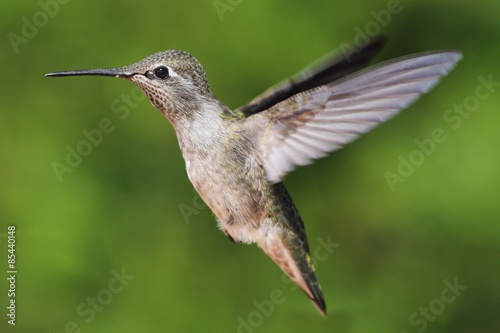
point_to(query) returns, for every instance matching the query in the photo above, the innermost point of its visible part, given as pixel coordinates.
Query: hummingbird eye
(161, 72)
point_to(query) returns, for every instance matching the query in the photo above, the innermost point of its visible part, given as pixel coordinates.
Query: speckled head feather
(181, 62)
(174, 82)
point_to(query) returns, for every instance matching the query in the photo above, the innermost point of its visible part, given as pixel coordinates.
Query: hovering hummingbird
(237, 159)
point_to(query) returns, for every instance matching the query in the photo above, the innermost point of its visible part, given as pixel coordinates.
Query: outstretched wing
(328, 69)
(313, 123)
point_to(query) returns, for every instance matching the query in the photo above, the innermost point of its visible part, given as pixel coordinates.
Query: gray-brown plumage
(236, 159)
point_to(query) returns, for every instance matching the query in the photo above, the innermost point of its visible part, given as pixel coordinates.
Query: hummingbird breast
(224, 166)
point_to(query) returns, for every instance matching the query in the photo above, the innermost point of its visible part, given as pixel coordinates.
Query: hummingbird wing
(313, 123)
(327, 69)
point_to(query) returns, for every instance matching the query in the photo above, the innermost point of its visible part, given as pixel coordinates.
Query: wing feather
(313, 123)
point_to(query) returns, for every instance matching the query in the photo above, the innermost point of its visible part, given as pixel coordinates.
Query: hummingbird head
(173, 80)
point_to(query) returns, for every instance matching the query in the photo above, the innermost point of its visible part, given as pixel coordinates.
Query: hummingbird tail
(297, 264)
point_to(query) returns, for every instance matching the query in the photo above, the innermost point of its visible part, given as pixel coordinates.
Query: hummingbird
(237, 159)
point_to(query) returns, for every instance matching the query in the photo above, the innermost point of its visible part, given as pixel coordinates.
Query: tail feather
(297, 264)
(284, 240)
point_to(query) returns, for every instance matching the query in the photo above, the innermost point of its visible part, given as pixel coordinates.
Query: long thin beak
(116, 72)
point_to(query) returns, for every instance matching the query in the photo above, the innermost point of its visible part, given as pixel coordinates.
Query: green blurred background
(120, 208)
